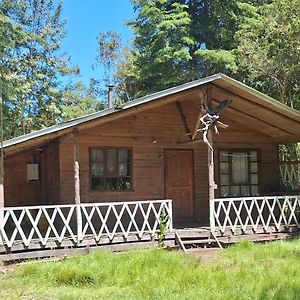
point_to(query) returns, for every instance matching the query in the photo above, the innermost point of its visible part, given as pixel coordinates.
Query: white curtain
(240, 168)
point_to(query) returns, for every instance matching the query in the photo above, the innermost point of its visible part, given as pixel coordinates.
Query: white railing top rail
(86, 204)
(248, 198)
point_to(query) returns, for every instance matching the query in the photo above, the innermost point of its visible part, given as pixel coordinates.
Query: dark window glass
(239, 173)
(111, 169)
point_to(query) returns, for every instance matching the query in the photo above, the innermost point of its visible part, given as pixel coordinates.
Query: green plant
(163, 226)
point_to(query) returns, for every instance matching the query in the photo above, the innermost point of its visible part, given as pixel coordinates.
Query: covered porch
(99, 180)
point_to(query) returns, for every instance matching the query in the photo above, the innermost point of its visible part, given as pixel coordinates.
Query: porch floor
(192, 236)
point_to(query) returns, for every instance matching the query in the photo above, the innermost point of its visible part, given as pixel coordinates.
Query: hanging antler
(211, 118)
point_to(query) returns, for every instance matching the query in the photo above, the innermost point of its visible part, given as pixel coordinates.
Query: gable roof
(232, 88)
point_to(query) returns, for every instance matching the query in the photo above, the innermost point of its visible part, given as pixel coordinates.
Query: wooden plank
(179, 242)
(77, 183)
(261, 112)
(182, 116)
(197, 126)
(255, 124)
(211, 181)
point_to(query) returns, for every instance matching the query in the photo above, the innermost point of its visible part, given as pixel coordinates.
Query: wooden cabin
(152, 149)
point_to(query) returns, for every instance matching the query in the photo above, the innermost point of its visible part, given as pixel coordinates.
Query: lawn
(244, 271)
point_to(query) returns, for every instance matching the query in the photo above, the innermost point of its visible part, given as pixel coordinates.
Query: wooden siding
(240, 137)
(148, 134)
(18, 191)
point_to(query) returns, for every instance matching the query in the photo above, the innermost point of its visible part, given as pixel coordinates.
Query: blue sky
(85, 20)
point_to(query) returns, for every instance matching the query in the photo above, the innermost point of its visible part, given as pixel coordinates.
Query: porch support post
(77, 184)
(211, 175)
(1, 169)
(211, 182)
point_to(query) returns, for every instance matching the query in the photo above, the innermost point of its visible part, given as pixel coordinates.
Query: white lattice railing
(290, 172)
(42, 224)
(255, 212)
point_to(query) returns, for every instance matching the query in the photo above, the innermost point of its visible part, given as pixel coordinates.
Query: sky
(85, 20)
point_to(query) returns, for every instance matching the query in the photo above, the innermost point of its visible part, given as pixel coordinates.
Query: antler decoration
(211, 119)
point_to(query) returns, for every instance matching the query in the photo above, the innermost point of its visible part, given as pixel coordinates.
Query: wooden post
(77, 184)
(211, 182)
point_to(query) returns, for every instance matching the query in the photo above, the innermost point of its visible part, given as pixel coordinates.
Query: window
(239, 173)
(111, 169)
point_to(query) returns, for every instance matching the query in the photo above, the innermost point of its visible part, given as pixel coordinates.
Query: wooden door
(179, 184)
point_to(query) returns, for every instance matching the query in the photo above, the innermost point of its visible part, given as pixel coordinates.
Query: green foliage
(33, 65)
(163, 226)
(244, 271)
(77, 101)
(179, 41)
(109, 48)
(268, 50)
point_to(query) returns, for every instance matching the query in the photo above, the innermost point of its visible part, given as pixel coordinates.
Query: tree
(77, 101)
(38, 62)
(269, 50)
(161, 44)
(109, 48)
(11, 83)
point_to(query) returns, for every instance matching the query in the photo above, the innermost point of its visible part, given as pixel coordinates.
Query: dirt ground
(205, 253)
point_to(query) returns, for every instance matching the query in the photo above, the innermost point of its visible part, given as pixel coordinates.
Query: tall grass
(244, 271)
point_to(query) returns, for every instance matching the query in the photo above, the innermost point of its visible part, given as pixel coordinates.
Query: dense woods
(255, 41)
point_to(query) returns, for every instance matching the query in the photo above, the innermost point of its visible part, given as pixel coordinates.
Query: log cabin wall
(148, 134)
(21, 192)
(17, 190)
(238, 136)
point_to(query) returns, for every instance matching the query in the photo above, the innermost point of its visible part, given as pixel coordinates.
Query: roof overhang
(249, 106)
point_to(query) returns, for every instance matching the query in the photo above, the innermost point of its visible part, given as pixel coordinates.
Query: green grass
(245, 271)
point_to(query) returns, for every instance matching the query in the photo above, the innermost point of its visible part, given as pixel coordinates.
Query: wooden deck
(191, 237)
(53, 230)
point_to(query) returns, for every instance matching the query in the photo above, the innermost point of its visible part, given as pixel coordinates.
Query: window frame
(230, 185)
(130, 149)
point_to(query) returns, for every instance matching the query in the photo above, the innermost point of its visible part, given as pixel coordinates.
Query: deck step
(197, 242)
(188, 234)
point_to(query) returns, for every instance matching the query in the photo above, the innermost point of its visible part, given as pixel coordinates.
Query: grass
(244, 271)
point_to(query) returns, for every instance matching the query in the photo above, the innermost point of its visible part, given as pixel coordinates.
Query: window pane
(111, 183)
(98, 184)
(97, 155)
(111, 162)
(224, 167)
(124, 155)
(253, 155)
(235, 191)
(240, 168)
(124, 169)
(224, 156)
(245, 191)
(224, 179)
(97, 169)
(225, 191)
(254, 179)
(253, 167)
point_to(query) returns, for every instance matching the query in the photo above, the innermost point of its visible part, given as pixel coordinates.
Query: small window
(239, 173)
(111, 169)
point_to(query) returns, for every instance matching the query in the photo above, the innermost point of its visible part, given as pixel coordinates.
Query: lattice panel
(76, 222)
(290, 172)
(251, 213)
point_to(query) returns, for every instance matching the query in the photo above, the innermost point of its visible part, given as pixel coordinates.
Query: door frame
(193, 174)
